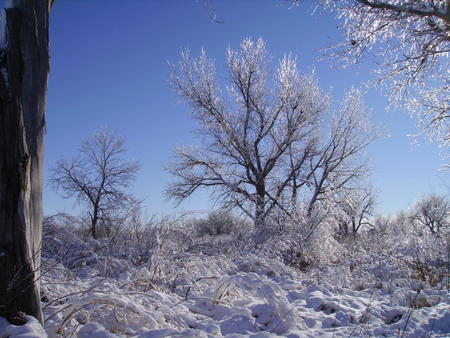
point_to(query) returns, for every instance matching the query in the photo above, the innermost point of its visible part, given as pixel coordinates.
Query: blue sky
(109, 69)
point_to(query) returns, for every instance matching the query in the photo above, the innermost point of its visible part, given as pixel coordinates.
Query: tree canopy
(263, 140)
(410, 41)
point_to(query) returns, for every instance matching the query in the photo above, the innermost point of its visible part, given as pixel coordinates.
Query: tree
(24, 67)
(356, 211)
(97, 178)
(263, 145)
(410, 40)
(433, 212)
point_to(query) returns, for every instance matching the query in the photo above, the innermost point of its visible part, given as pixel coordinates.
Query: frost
(408, 43)
(181, 292)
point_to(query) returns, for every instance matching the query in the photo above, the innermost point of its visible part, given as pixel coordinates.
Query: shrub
(217, 223)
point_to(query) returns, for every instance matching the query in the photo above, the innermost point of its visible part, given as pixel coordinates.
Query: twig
(71, 294)
(409, 314)
(197, 280)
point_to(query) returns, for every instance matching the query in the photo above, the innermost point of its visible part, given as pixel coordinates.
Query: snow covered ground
(90, 291)
(257, 299)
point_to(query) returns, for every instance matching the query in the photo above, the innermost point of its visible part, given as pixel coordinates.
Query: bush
(217, 223)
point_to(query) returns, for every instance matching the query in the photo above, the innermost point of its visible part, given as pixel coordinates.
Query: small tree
(433, 212)
(356, 211)
(98, 178)
(263, 147)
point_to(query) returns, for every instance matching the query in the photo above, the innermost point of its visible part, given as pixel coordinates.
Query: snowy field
(104, 289)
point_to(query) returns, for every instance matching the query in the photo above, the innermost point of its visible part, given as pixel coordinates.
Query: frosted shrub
(323, 247)
(304, 241)
(217, 223)
(397, 249)
(429, 260)
(57, 227)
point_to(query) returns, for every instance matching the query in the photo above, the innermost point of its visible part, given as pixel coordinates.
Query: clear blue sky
(109, 69)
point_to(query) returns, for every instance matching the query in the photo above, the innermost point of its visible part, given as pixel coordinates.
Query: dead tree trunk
(23, 86)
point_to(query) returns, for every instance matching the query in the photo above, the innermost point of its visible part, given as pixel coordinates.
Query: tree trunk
(260, 205)
(23, 86)
(94, 221)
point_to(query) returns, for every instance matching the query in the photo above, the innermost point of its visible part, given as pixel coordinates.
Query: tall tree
(262, 144)
(24, 68)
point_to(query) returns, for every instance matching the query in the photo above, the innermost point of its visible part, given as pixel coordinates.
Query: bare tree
(24, 67)
(263, 144)
(433, 212)
(410, 40)
(98, 178)
(356, 211)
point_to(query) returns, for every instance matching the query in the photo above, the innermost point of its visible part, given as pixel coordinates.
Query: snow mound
(31, 329)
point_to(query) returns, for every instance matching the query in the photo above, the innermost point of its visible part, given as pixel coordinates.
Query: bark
(260, 205)
(94, 221)
(23, 88)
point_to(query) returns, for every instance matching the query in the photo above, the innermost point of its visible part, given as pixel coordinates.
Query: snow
(96, 288)
(93, 330)
(248, 303)
(31, 329)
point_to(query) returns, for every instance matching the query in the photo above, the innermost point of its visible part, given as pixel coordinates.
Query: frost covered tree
(98, 178)
(356, 211)
(263, 147)
(24, 67)
(432, 212)
(410, 40)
